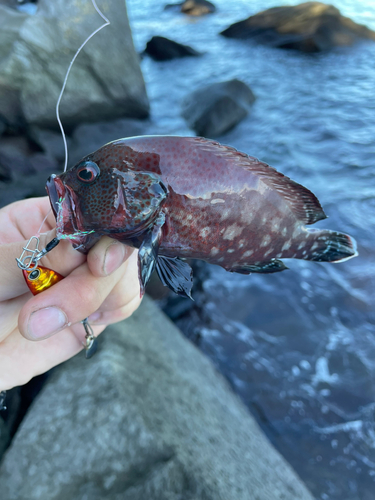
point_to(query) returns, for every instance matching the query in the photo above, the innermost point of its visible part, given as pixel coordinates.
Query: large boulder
(105, 82)
(217, 108)
(194, 7)
(309, 27)
(164, 49)
(147, 418)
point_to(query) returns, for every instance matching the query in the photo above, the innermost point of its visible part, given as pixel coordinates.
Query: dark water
(298, 347)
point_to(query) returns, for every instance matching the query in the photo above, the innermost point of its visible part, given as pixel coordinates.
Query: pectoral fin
(175, 274)
(148, 253)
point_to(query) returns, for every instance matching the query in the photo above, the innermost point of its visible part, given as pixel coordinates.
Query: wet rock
(309, 27)
(105, 82)
(147, 418)
(164, 49)
(194, 7)
(217, 108)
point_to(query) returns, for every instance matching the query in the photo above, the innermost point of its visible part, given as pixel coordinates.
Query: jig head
(39, 278)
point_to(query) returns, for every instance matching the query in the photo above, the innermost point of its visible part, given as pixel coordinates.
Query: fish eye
(88, 171)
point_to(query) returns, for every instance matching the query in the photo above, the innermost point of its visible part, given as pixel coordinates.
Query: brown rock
(309, 27)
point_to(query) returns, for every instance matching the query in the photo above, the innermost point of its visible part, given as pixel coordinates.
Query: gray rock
(217, 108)
(89, 137)
(106, 81)
(309, 27)
(164, 49)
(147, 418)
(50, 141)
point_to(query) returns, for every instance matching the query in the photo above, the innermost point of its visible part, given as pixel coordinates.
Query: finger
(62, 259)
(67, 302)
(9, 310)
(22, 219)
(21, 360)
(107, 256)
(109, 317)
(126, 288)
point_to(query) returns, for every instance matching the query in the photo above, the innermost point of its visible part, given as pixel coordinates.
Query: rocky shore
(147, 418)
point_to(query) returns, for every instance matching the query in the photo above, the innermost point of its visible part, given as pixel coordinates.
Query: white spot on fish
(315, 245)
(214, 251)
(287, 245)
(205, 232)
(284, 231)
(301, 245)
(232, 232)
(246, 217)
(276, 225)
(279, 255)
(264, 219)
(225, 214)
(266, 241)
(217, 200)
(268, 252)
(230, 250)
(248, 253)
(297, 230)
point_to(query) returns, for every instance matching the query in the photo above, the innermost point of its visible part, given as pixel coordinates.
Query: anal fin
(273, 266)
(175, 274)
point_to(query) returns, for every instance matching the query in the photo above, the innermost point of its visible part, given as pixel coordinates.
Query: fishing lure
(39, 278)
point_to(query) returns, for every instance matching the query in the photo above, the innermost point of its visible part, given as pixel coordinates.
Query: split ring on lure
(39, 278)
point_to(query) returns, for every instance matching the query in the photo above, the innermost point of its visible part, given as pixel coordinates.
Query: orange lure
(41, 278)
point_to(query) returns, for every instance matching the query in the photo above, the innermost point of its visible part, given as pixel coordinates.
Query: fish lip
(52, 194)
(61, 195)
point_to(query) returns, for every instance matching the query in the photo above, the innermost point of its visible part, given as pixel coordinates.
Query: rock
(147, 418)
(23, 171)
(89, 137)
(106, 81)
(309, 27)
(50, 141)
(194, 7)
(164, 49)
(215, 109)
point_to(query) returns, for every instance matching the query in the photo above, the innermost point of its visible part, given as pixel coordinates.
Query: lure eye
(34, 275)
(88, 171)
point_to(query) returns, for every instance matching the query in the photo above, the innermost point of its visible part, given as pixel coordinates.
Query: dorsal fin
(302, 202)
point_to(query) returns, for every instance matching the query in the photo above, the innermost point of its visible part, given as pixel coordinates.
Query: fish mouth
(52, 194)
(63, 204)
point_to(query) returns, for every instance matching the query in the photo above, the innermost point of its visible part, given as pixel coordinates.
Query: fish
(177, 198)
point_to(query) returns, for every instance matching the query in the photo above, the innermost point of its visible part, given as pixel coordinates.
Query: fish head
(105, 198)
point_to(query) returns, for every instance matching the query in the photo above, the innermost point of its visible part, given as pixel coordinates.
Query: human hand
(91, 288)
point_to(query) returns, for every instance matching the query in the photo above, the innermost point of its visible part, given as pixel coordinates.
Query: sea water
(299, 346)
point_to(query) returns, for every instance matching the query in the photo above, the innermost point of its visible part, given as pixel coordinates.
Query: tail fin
(330, 246)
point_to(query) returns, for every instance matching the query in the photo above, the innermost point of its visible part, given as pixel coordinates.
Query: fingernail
(46, 322)
(95, 317)
(114, 257)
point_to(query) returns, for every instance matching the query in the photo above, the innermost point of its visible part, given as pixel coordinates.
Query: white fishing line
(106, 23)
(44, 220)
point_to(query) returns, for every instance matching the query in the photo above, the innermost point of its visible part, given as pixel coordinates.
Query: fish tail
(327, 246)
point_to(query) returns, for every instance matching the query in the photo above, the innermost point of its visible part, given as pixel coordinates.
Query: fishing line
(106, 23)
